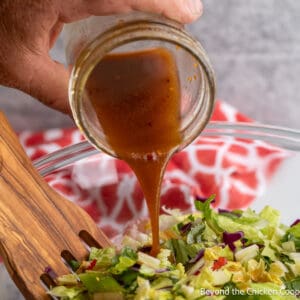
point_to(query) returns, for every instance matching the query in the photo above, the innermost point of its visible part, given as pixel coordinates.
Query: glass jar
(88, 41)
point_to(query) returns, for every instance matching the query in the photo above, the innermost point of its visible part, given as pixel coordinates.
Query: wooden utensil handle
(18, 187)
(36, 223)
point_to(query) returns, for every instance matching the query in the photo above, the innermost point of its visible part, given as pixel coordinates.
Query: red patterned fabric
(236, 170)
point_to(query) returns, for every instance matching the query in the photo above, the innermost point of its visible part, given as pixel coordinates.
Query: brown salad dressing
(136, 97)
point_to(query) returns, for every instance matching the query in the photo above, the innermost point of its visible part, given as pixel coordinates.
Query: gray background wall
(254, 46)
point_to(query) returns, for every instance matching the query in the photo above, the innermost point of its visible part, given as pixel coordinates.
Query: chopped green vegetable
(74, 264)
(96, 282)
(66, 292)
(108, 296)
(179, 250)
(195, 234)
(293, 234)
(103, 256)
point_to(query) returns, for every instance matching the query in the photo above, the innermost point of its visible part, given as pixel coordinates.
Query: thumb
(184, 11)
(46, 80)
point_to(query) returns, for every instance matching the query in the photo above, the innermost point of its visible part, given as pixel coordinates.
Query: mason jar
(88, 41)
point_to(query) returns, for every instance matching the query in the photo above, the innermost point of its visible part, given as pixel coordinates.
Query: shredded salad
(207, 254)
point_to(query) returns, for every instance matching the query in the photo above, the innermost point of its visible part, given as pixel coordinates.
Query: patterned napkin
(236, 170)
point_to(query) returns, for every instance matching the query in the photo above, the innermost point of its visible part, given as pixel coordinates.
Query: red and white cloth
(236, 170)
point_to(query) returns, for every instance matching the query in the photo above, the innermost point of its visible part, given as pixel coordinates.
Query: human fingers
(184, 11)
(46, 80)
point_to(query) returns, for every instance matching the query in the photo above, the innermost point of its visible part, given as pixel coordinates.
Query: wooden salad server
(37, 225)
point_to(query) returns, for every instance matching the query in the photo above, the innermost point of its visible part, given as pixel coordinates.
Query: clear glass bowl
(280, 188)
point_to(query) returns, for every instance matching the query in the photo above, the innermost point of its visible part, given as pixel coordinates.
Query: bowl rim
(283, 137)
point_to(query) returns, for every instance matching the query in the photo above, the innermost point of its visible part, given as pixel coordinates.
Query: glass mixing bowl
(239, 148)
(259, 146)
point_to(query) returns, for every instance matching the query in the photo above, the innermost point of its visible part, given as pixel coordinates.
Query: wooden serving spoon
(37, 226)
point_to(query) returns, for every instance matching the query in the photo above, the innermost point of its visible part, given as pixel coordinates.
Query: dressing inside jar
(136, 97)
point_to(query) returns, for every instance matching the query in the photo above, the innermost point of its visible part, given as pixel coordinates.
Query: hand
(29, 28)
